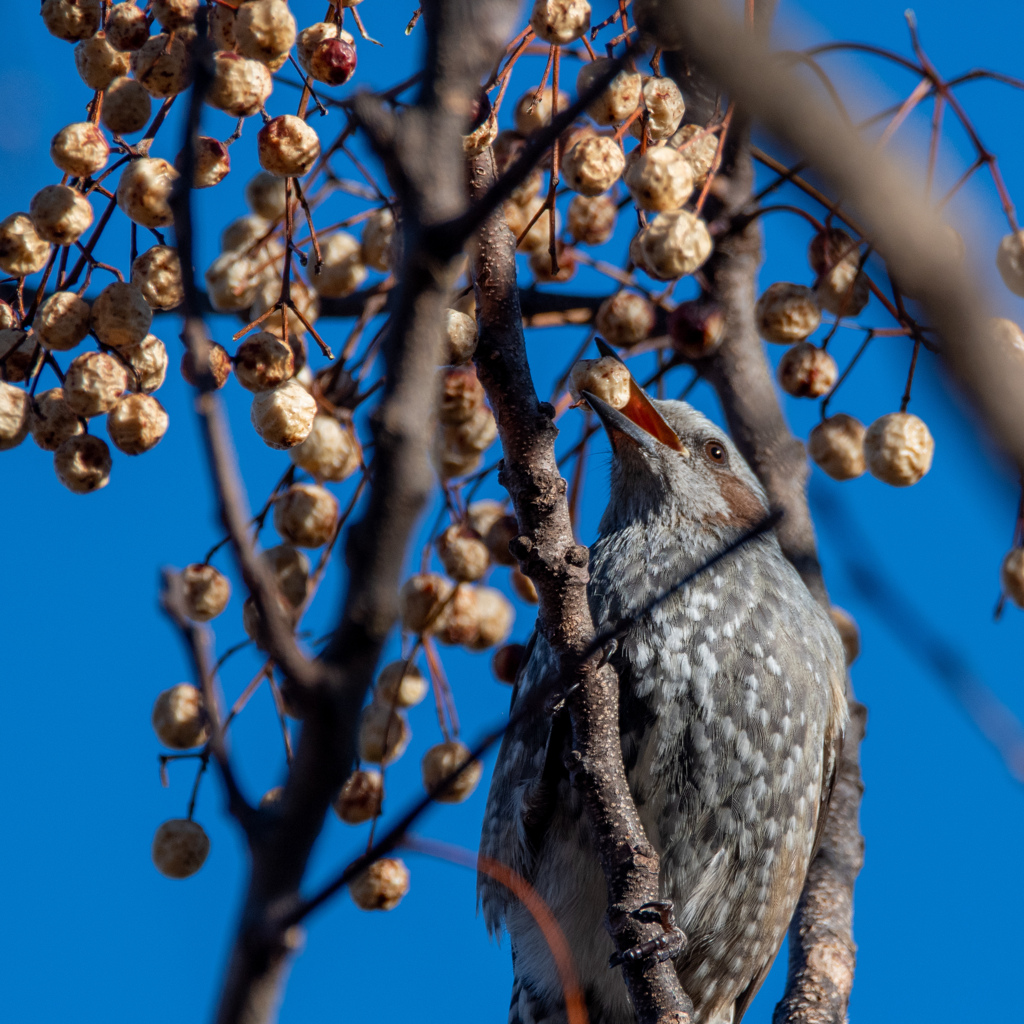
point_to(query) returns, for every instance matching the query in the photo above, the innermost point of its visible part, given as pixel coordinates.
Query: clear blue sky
(92, 932)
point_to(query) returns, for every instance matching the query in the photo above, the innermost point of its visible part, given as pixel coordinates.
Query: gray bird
(732, 716)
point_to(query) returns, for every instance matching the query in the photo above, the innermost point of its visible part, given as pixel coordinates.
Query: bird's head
(672, 464)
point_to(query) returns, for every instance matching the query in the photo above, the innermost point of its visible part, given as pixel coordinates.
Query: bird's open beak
(638, 419)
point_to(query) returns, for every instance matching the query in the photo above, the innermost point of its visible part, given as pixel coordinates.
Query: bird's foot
(665, 946)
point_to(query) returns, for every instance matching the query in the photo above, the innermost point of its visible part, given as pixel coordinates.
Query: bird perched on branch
(732, 711)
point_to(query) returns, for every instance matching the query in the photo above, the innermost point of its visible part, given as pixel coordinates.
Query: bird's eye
(716, 452)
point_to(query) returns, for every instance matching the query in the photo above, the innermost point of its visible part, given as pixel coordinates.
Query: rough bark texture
(549, 555)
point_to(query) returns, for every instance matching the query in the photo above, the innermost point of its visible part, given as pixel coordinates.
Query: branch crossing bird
(732, 710)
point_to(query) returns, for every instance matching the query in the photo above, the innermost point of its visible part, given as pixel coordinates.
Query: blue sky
(94, 933)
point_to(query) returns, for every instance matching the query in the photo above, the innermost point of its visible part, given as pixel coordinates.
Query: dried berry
(62, 321)
(460, 331)
(240, 86)
(211, 163)
(787, 313)
(19, 355)
(506, 662)
(842, 288)
(533, 111)
(94, 383)
(144, 192)
(497, 528)
(625, 319)
(79, 149)
(806, 371)
(327, 52)
(221, 26)
(837, 446)
(384, 734)
(266, 196)
(458, 624)
(698, 148)
(343, 269)
(231, 282)
(898, 448)
(287, 146)
(162, 65)
(538, 236)
(283, 416)
(265, 31)
(665, 108)
(205, 591)
(439, 762)
(463, 554)
(51, 421)
(60, 214)
(136, 424)
(148, 360)
(848, 632)
(460, 394)
(82, 463)
(157, 275)
(593, 165)
(659, 179)
(126, 106)
(560, 21)
(120, 315)
(381, 886)
(98, 62)
(1010, 261)
(22, 251)
(606, 378)
(219, 366)
(591, 219)
(494, 616)
(306, 515)
(180, 848)
(400, 684)
(179, 719)
(619, 99)
(15, 412)
(474, 435)
(127, 27)
(330, 451)
(263, 361)
(290, 569)
(674, 244)
(360, 798)
(305, 299)
(378, 239)
(71, 20)
(172, 14)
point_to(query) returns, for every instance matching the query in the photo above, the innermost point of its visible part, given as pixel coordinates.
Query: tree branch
(549, 555)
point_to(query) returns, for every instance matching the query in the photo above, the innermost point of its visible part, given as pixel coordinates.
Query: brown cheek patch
(744, 505)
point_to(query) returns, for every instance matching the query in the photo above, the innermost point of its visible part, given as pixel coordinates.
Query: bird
(732, 712)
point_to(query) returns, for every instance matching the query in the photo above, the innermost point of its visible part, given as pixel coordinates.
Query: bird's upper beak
(638, 420)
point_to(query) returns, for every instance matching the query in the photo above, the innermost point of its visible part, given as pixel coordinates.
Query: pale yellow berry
(52, 422)
(593, 165)
(462, 553)
(787, 313)
(533, 112)
(361, 798)
(460, 331)
(591, 219)
(381, 886)
(698, 148)
(136, 424)
(837, 446)
(606, 378)
(421, 600)
(1010, 261)
(619, 99)
(343, 269)
(211, 162)
(94, 383)
(120, 315)
(331, 450)
(180, 848)
(149, 361)
(560, 21)
(495, 617)
(157, 274)
(172, 14)
(265, 194)
(205, 591)
(400, 684)
(384, 734)
(898, 448)
(665, 109)
(126, 106)
(265, 30)
(162, 65)
(62, 321)
(60, 214)
(806, 371)
(283, 416)
(231, 282)
(82, 463)
(79, 149)
(263, 361)
(848, 632)
(219, 366)
(221, 26)
(624, 319)
(458, 624)
(98, 62)
(306, 515)
(22, 251)
(378, 239)
(71, 20)
(460, 394)
(842, 288)
(290, 569)
(524, 587)
(127, 28)
(659, 179)
(674, 244)
(240, 86)
(287, 146)
(15, 416)
(496, 527)
(179, 718)
(439, 762)
(144, 192)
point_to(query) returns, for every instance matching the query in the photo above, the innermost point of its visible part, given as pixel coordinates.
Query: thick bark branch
(549, 555)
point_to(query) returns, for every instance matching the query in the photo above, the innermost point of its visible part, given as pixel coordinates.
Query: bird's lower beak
(637, 421)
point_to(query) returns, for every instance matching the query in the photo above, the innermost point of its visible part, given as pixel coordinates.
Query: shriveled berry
(306, 515)
(172, 14)
(71, 20)
(462, 553)
(52, 422)
(263, 361)
(442, 760)
(625, 319)
(697, 328)
(240, 86)
(22, 251)
(506, 662)
(533, 111)
(144, 192)
(136, 424)
(127, 27)
(898, 448)
(121, 316)
(162, 65)
(265, 31)
(283, 416)
(98, 62)
(219, 366)
(618, 100)
(665, 108)
(60, 214)
(79, 149)
(837, 446)
(148, 360)
(674, 244)
(343, 269)
(400, 684)
(591, 219)
(698, 148)
(211, 162)
(593, 165)
(126, 106)
(384, 734)
(331, 450)
(361, 798)
(806, 371)
(179, 718)
(659, 179)
(82, 463)
(421, 600)
(180, 848)
(94, 383)
(378, 239)
(787, 313)
(381, 886)
(496, 527)
(287, 146)
(62, 321)
(157, 274)
(1010, 261)
(266, 195)
(205, 591)
(327, 52)
(606, 378)
(15, 413)
(524, 587)
(495, 616)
